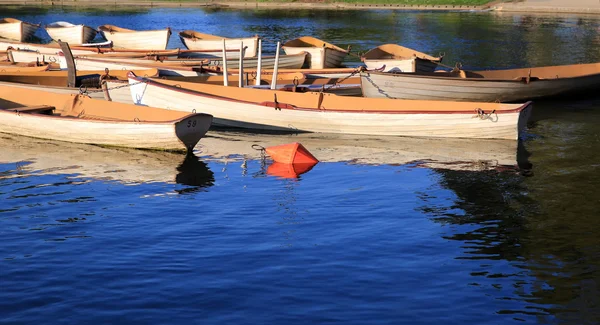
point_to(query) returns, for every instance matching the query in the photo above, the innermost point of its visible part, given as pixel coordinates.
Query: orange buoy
(288, 170)
(291, 153)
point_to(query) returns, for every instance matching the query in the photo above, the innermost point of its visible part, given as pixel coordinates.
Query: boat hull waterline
(80, 119)
(414, 86)
(310, 112)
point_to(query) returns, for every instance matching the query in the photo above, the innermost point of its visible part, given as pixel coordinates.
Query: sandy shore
(551, 6)
(534, 6)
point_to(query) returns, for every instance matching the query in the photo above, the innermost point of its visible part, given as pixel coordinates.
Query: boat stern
(192, 128)
(524, 116)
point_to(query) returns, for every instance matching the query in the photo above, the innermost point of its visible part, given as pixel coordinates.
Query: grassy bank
(379, 2)
(334, 3)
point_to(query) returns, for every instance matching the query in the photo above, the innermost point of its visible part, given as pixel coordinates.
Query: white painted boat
(80, 119)
(199, 41)
(134, 39)
(72, 34)
(396, 58)
(119, 95)
(19, 67)
(89, 83)
(82, 64)
(46, 50)
(511, 85)
(181, 67)
(14, 29)
(318, 112)
(320, 54)
(26, 56)
(294, 61)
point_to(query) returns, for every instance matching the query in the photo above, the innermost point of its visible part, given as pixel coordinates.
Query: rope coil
(482, 115)
(262, 150)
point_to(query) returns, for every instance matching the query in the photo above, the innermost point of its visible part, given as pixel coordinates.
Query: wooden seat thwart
(40, 109)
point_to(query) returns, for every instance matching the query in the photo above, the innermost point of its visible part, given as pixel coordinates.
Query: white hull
(49, 51)
(401, 65)
(470, 89)
(285, 62)
(80, 119)
(252, 115)
(230, 44)
(87, 65)
(187, 67)
(20, 31)
(23, 56)
(318, 57)
(142, 40)
(92, 51)
(119, 95)
(76, 35)
(162, 136)
(268, 62)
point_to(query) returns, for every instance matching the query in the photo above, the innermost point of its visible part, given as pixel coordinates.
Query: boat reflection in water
(130, 166)
(127, 166)
(451, 154)
(195, 173)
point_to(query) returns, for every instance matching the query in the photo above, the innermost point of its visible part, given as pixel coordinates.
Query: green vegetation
(234, 3)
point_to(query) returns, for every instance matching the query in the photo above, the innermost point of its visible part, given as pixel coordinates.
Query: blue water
(108, 237)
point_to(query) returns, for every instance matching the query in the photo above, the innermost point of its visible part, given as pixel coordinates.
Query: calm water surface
(382, 231)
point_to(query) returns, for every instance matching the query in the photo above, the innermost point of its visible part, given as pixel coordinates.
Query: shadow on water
(194, 173)
(543, 226)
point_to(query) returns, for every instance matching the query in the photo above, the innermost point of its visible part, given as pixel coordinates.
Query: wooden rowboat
(22, 67)
(118, 95)
(23, 55)
(133, 39)
(61, 77)
(396, 58)
(486, 86)
(20, 56)
(72, 34)
(17, 30)
(318, 112)
(66, 82)
(199, 41)
(80, 119)
(290, 81)
(320, 54)
(294, 61)
(182, 67)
